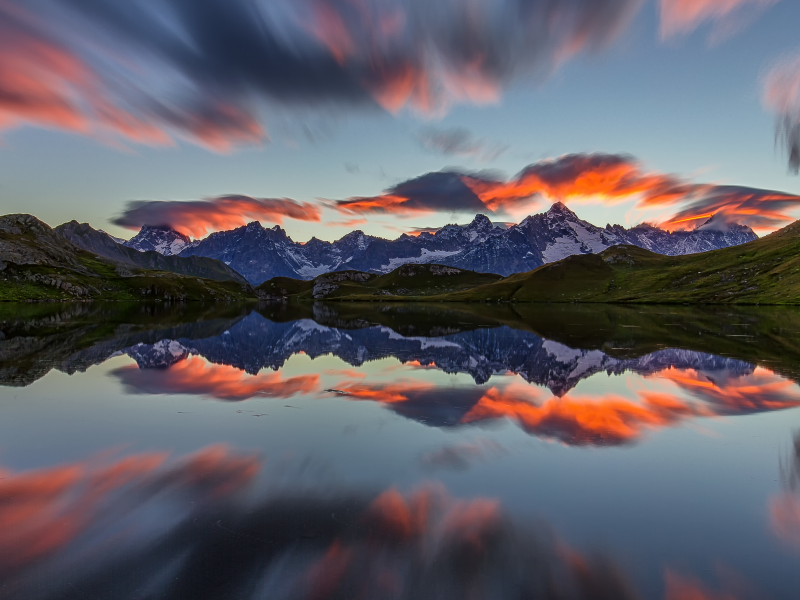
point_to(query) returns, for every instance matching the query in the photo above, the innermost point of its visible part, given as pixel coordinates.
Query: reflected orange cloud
(196, 376)
(196, 218)
(784, 509)
(784, 513)
(595, 420)
(581, 421)
(387, 393)
(683, 16)
(683, 588)
(762, 390)
(42, 511)
(458, 549)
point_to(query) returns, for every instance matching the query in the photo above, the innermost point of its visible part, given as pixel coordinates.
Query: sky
(389, 116)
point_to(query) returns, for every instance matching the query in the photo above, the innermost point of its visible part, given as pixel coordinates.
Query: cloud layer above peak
(206, 70)
(598, 177)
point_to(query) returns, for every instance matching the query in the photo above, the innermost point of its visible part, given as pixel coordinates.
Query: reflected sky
(335, 454)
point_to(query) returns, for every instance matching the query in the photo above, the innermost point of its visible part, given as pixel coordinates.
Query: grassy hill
(407, 281)
(765, 271)
(36, 263)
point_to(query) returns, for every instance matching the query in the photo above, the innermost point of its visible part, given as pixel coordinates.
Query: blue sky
(690, 105)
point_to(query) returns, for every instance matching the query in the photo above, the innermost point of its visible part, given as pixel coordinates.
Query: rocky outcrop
(102, 244)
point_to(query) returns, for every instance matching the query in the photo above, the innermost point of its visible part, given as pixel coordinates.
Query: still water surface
(399, 452)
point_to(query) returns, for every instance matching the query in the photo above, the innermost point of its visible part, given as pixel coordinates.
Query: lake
(399, 451)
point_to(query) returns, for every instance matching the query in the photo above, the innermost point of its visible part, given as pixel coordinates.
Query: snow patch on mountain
(426, 256)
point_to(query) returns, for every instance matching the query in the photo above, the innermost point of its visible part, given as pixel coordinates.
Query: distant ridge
(260, 253)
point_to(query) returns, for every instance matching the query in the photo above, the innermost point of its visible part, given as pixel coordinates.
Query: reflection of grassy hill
(765, 271)
(767, 336)
(36, 337)
(36, 263)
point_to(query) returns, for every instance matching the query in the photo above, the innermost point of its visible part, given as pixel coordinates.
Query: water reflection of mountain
(255, 343)
(554, 346)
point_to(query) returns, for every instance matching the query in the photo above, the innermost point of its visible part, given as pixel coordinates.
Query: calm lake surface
(399, 452)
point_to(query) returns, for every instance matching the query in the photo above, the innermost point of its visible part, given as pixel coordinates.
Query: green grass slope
(765, 271)
(406, 281)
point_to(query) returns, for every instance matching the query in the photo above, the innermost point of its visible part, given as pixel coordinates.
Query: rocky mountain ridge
(260, 253)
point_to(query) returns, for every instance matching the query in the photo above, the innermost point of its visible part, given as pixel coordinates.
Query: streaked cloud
(596, 177)
(460, 141)
(781, 95)
(47, 511)
(684, 16)
(206, 70)
(784, 508)
(198, 217)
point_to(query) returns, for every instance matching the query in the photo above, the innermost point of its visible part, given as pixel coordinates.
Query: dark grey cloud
(206, 70)
(442, 191)
(460, 141)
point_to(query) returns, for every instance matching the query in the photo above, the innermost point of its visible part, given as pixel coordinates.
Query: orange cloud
(196, 218)
(128, 73)
(596, 177)
(197, 377)
(46, 82)
(683, 16)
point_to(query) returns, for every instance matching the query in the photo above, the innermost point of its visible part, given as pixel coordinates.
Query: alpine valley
(260, 253)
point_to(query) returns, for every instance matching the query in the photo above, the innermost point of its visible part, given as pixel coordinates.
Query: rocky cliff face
(102, 244)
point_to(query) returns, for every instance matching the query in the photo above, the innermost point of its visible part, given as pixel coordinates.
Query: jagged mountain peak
(561, 209)
(481, 222)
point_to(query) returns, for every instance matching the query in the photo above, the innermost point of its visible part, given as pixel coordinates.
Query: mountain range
(260, 253)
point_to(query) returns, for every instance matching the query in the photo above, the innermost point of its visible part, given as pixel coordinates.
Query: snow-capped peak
(162, 239)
